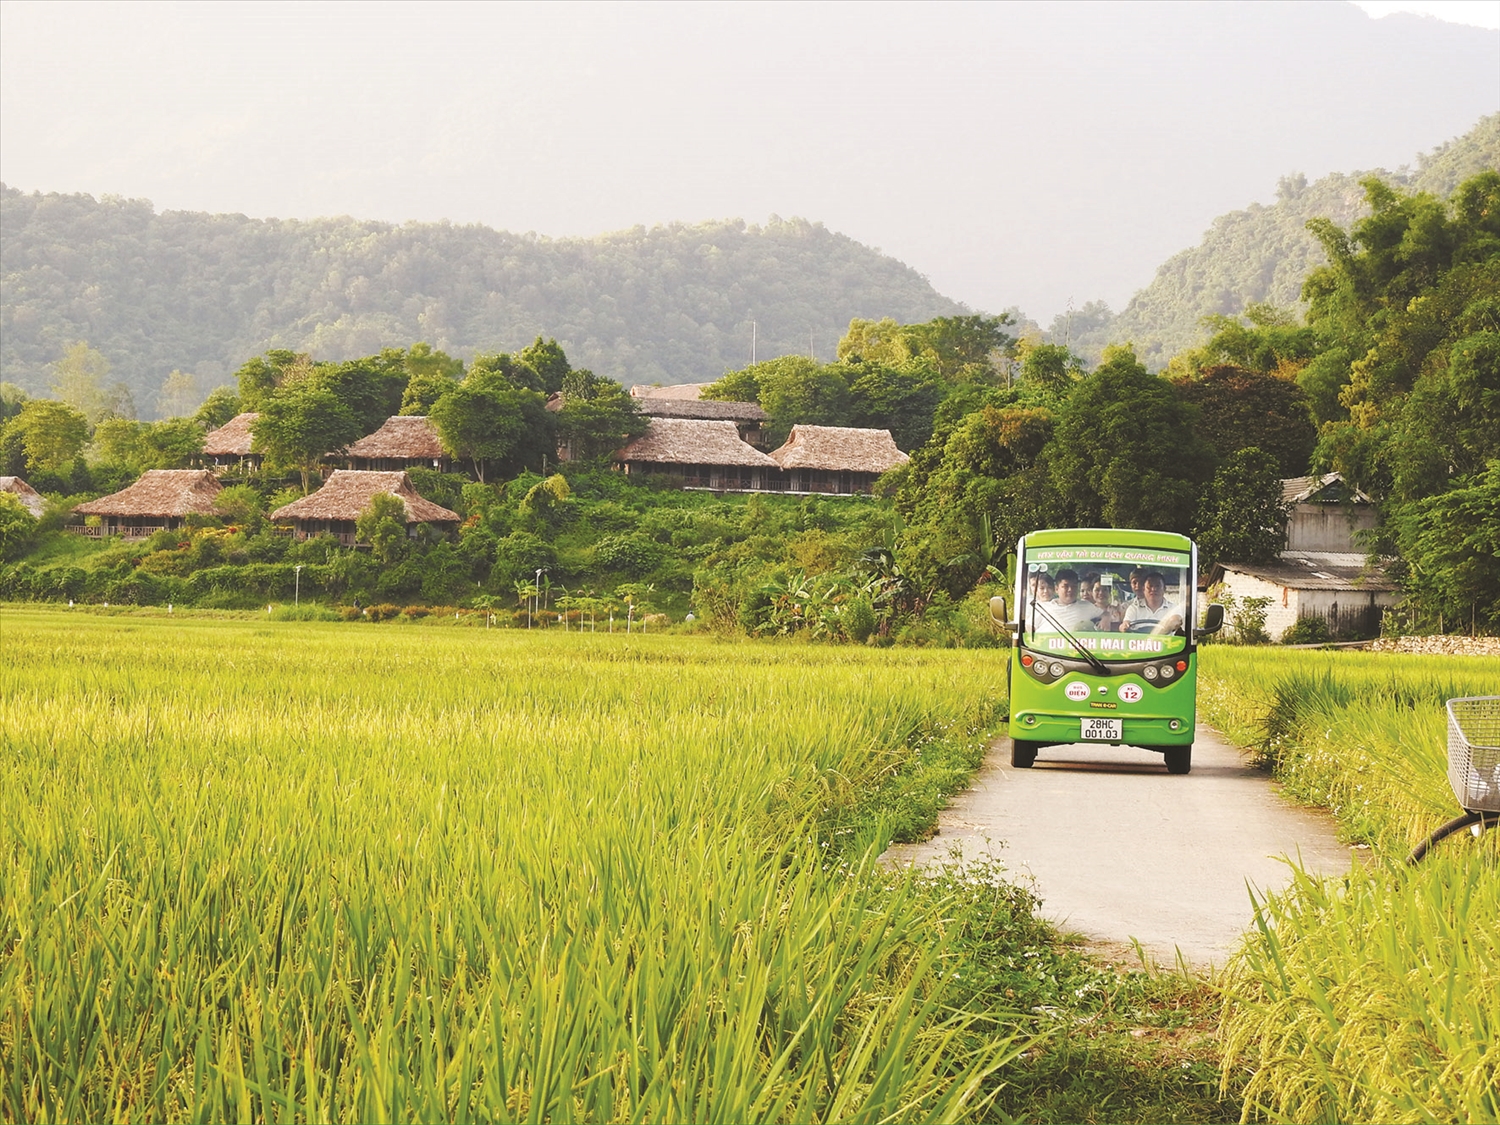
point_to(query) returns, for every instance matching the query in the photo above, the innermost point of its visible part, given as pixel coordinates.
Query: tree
(1125, 453)
(383, 526)
(52, 433)
(963, 345)
(1242, 517)
(220, 406)
(421, 360)
(1450, 545)
(78, 379)
(489, 423)
(597, 415)
(986, 480)
(300, 423)
(17, 525)
(370, 389)
(171, 444)
(1239, 408)
(117, 441)
(875, 341)
(178, 396)
(1050, 369)
(423, 391)
(258, 378)
(902, 400)
(548, 361)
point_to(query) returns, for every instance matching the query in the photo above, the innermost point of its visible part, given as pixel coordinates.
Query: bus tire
(1022, 753)
(1179, 758)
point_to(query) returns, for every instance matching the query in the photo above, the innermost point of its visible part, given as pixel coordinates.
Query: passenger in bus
(1068, 611)
(1110, 615)
(1137, 578)
(1042, 589)
(1153, 612)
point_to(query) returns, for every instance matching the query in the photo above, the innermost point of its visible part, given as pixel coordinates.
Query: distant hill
(1263, 252)
(203, 293)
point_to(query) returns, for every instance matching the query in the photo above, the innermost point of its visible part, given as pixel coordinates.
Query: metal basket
(1474, 752)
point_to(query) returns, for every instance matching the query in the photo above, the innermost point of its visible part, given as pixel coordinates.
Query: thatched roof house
(680, 391)
(749, 417)
(704, 453)
(29, 497)
(160, 499)
(333, 509)
(230, 443)
(406, 441)
(836, 459)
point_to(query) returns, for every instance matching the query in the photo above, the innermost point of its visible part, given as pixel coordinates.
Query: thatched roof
(160, 492)
(406, 436)
(348, 493)
(679, 391)
(232, 439)
(1301, 490)
(683, 441)
(30, 498)
(702, 408)
(841, 448)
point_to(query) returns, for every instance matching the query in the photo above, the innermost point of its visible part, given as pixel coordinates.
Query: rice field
(294, 872)
(1375, 997)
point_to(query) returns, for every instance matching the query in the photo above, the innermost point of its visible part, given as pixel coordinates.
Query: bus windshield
(1119, 603)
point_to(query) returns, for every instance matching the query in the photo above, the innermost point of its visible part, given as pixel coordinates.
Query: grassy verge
(1375, 997)
(1111, 1042)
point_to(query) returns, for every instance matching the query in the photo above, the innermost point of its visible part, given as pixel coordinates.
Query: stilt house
(406, 441)
(700, 453)
(229, 445)
(840, 460)
(160, 500)
(346, 495)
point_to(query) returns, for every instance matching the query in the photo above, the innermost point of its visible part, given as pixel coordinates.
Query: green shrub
(1307, 631)
(383, 612)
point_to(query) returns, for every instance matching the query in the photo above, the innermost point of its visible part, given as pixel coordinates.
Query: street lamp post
(536, 596)
(297, 588)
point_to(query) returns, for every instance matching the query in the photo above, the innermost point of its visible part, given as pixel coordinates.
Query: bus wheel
(1022, 753)
(1179, 758)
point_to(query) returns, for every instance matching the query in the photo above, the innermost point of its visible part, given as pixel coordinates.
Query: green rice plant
(297, 871)
(1374, 997)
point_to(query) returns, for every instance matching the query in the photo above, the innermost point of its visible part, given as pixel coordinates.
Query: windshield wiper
(1094, 661)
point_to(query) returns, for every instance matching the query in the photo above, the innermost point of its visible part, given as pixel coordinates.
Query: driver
(1153, 613)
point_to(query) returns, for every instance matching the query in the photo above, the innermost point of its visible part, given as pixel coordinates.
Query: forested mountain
(158, 292)
(1261, 254)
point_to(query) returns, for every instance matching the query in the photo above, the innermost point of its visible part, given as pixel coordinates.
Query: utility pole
(752, 343)
(297, 588)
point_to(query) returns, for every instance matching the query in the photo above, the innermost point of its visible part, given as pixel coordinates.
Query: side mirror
(999, 612)
(1213, 620)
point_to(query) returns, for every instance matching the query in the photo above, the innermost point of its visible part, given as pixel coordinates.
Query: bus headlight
(1057, 669)
(1167, 671)
(1150, 672)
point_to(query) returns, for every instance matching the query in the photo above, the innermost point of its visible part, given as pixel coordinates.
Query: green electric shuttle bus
(1104, 642)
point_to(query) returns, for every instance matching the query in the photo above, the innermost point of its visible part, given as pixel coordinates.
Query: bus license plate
(1103, 730)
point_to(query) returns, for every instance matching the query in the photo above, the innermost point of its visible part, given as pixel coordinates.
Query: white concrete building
(1323, 572)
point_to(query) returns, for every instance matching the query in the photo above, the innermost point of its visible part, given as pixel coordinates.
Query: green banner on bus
(1134, 556)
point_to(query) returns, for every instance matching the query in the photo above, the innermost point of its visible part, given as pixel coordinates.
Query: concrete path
(1121, 851)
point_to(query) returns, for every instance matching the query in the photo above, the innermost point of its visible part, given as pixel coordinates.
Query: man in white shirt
(1067, 610)
(1153, 613)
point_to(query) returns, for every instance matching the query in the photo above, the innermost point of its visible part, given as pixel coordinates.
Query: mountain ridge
(157, 291)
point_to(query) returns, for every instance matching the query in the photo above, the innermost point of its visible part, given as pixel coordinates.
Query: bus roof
(1111, 536)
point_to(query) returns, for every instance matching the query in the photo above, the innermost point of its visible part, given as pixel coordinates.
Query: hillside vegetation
(179, 290)
(1261, 254)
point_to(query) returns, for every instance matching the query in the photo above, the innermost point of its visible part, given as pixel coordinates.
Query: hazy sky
(1013, 153)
